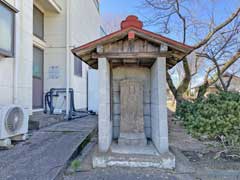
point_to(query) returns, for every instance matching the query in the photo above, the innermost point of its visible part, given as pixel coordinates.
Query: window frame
(13, 10)
(36, 35)
(78, 72)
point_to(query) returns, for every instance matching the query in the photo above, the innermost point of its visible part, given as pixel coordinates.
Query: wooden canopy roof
(132, 45)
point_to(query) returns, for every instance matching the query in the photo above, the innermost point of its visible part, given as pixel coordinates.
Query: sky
(118, 7)
(122, 8)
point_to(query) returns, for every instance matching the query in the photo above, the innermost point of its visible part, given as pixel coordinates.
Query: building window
(38, 23)
(7, 24)
(77, 66)
(38, 55)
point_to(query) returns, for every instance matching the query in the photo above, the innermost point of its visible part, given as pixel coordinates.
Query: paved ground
(46, 152)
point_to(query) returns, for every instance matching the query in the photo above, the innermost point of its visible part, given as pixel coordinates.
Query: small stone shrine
(132, 121)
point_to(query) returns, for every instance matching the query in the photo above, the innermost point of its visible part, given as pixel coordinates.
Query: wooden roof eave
(80, 51)
(171, 61)
(157, 41)
(85, 52)
(152, 37)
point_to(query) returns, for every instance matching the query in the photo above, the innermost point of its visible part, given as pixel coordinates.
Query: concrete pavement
(47, 152)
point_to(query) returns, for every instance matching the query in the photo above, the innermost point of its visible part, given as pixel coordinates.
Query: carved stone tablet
(131, 122)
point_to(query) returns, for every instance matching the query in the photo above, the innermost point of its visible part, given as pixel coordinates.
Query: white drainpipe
(17, 53)
(67, 57)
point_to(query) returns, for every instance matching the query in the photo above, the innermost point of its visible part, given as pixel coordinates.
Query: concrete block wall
(141, 74)
(159, 105)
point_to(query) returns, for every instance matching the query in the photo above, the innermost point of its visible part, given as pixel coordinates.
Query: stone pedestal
(159, 105)
(104, 118)
(131, 120)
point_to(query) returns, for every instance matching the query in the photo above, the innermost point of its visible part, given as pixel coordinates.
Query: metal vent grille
(14, 119)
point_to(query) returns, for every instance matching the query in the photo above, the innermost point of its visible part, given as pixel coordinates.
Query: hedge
(218, 115)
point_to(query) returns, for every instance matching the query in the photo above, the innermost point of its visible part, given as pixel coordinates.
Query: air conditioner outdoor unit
(13, 124)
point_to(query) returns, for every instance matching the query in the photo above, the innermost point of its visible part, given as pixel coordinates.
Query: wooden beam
(171, 61)
(130, 65)
(91, 61)
(132, 55)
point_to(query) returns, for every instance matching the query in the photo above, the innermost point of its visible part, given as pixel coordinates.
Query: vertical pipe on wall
(67, 57)
(16, 49)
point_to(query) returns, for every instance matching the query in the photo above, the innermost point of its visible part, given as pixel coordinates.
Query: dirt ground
(195, 159)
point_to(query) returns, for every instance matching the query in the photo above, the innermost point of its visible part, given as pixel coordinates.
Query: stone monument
(131, 120)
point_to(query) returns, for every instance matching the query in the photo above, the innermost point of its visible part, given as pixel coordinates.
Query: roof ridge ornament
(131, 21)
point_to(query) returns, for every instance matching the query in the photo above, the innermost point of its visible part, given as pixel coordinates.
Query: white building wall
(93, 79)
(55, 52)
(6, 81)
(84, 27)
(24, 51)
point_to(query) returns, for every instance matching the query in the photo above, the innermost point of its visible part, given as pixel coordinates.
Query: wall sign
(53, 72)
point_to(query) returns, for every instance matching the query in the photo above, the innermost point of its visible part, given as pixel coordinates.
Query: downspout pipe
(16, 53)
(67, 57)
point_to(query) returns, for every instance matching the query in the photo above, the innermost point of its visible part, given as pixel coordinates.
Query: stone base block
(138, 139)
(132, 149)
(144, 157)
(164, 161)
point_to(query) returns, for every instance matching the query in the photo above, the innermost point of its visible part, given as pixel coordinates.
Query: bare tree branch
(215, 30)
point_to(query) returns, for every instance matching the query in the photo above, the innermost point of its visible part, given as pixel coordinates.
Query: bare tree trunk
(219, 75)
(229, 82)
(187, 78)
(179, 92)
(202, 90)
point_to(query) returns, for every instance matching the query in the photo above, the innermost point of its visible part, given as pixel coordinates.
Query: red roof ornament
(131, 35)
(131, 21)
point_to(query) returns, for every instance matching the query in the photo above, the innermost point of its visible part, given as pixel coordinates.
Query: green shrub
(75, 165)
(218, 115)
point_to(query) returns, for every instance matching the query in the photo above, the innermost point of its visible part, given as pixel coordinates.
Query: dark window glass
(6, 30)
(38, 23)
(37, 63)
(77, 66)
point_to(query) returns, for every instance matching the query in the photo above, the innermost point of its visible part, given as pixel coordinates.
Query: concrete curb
(182, 163)
(77, 151)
